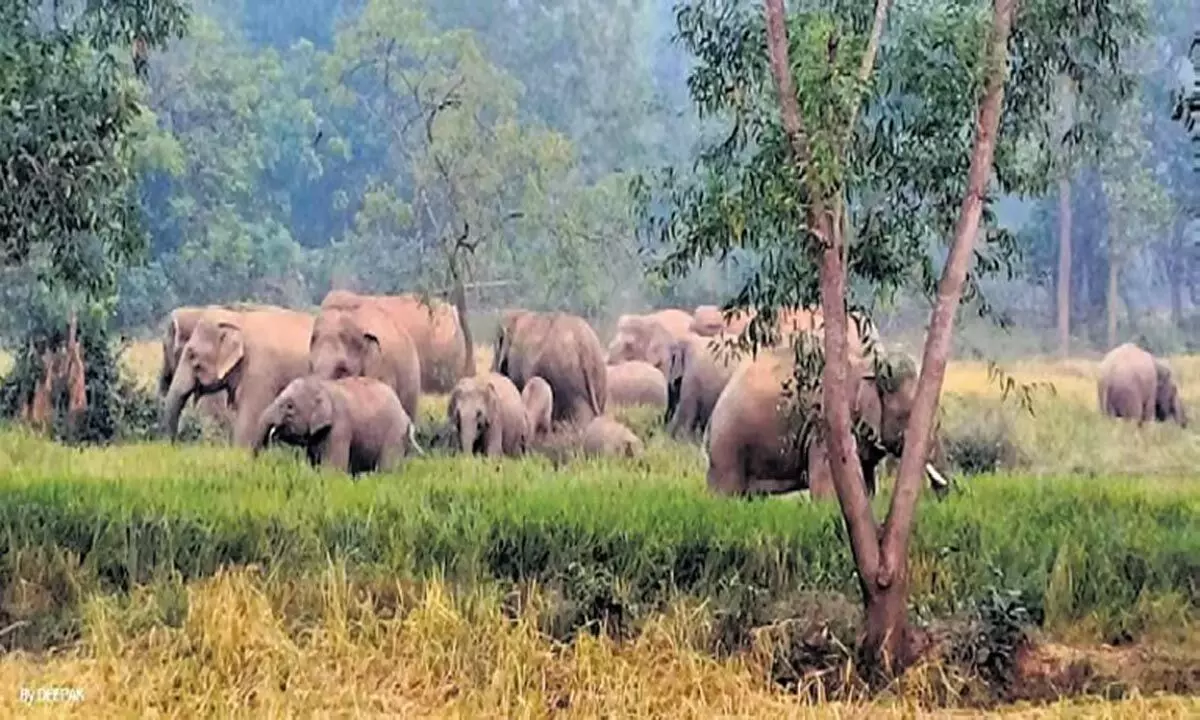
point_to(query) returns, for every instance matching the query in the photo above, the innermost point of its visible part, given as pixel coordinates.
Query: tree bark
(1112, 298)
(887, 623)
(1174, 274)
(1064, 266)
(458, 292)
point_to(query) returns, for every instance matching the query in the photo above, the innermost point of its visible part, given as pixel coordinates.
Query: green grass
(617, 540)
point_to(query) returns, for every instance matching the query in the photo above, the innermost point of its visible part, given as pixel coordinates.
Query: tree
(67, 202)
(467, 184)
(1138, 207)
(854, 167)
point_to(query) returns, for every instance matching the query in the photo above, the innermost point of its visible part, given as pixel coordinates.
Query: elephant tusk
(271, 434)
(412, 440)
(935, 476)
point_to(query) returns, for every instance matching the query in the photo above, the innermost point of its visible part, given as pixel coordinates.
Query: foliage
(903, 166)
(67, 112)
(118, 407)
(646, 531)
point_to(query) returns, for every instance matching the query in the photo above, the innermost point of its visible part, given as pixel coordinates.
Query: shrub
(983, 439)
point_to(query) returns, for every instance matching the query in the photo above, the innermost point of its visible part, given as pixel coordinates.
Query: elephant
(709, 321)
(251, 355)
(1134, 385)
(538, 399)
(696, 375)
(605, 436)
(488, 416)
(180, 323)
(761, 440)
(563, 350)
(641, 337)
(353, 424)
(636, 383)
(364, 341)
(434, 326)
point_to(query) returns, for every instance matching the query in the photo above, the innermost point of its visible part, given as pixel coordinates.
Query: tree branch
(781, 69)
(917, 436)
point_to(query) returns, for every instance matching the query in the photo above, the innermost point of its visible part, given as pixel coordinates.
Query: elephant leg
(245, 425)
(684, 421)
(726, 475)
(495, 440)
(336, 453)
(391, 455)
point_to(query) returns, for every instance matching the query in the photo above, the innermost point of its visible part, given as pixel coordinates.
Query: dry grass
(241, 647)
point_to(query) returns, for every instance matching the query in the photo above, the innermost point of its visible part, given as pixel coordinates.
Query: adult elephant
(560, 348)
(1134, 385)
(635, 383)
(179, 326)
(434, 326)
(363, 340)
(709, 321)
(697, 372)
(761, 440)
(644, 338)
(250, 355)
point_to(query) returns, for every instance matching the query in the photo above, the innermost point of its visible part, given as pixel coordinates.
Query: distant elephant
(364, 341)
(561, 348)
(761, 441)
(1134, 385)
(697, 372)
(250, 355)
(605, 436)
(488, 416)
(434, 326)
(538, 399)
(709, 321)
(354, 424)
(642, 337)
(636, 383)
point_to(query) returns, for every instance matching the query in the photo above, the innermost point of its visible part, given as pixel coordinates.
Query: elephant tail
(412, 439)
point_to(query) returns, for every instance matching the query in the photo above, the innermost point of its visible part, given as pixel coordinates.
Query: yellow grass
(240, 650)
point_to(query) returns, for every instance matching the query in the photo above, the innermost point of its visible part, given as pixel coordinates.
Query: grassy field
(191, 580)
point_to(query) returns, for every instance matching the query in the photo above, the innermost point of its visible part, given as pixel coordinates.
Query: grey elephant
(434, 327)
(488, 416)
(647, 337)
(697, 372)
(636, 383)
(1134, 385)
(563, 350)
(606, 436)
(364, 341)
(538, 399)
(761, 440)
(249, 355)
(355, 424)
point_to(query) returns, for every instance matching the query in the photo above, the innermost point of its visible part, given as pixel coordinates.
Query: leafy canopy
(899, 165)
(67, 109)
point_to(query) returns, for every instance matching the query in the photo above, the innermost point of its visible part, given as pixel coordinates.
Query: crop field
(191, 580)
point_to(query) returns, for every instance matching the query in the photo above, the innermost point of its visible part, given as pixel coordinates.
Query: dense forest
(491, 147)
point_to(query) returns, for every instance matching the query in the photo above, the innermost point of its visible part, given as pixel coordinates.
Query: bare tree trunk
(1064, 266)
(887, 624)
(1174, 274)
(458, 292)
(1112, 298)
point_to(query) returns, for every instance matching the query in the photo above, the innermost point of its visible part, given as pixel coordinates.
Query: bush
(983, 439)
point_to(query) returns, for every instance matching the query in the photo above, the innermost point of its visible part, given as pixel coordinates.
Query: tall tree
(854, 167)
(67, 108)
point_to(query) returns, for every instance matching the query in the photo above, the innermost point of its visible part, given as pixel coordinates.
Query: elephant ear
(322, 409)
(231, 349)
(492, 399)
(372, 355)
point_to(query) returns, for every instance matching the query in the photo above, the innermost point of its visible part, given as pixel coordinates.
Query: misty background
(290, 150)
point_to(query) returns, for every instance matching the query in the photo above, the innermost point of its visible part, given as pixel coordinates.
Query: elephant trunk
(264, 431)
(468, 431)
(182, 387)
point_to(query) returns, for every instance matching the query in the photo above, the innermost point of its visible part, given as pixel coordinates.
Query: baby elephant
(354, 424)
(635, 382)
(605, 436)
(488, 416)
(538, 399)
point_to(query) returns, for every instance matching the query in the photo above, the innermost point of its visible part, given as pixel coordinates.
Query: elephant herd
(1135, 385)
(345, 384)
